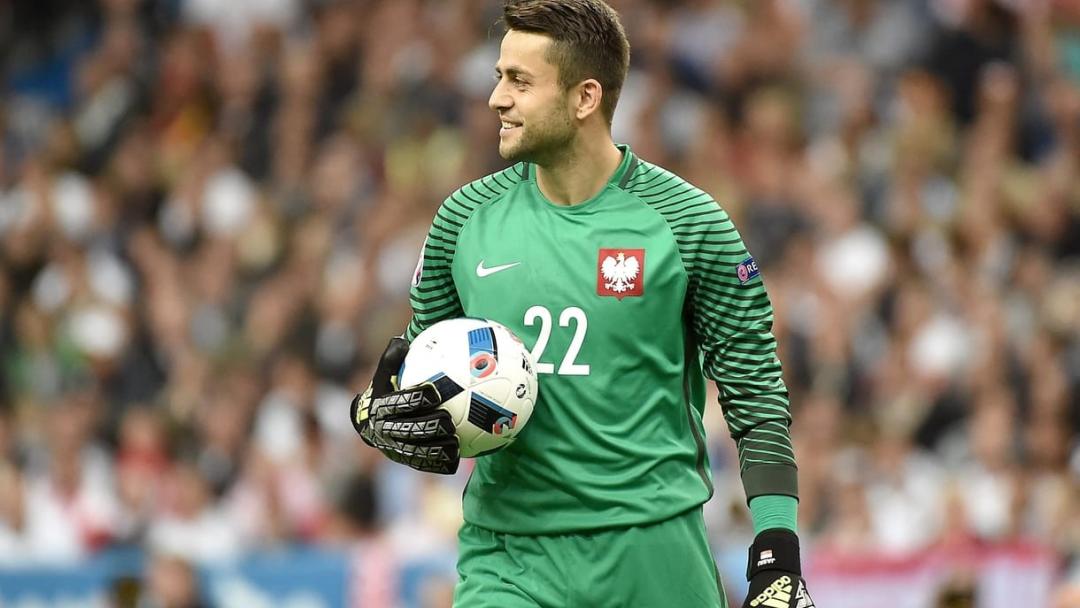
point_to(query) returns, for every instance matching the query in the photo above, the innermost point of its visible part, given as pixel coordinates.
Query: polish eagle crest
(620, 272)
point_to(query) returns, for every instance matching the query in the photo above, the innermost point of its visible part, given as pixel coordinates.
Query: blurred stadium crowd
(210, 211)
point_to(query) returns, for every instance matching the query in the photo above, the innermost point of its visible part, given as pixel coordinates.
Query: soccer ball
(488, 373)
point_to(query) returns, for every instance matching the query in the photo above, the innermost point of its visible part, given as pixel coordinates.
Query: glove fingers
(388, 366)
(418, 429)
(441, 456)
(406, 402)
(406, 425)
(778, 590)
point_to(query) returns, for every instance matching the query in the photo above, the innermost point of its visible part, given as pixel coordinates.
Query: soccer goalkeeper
(632, 286)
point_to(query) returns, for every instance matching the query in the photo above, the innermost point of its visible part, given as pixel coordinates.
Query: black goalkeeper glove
(406, 425)
(774, 572)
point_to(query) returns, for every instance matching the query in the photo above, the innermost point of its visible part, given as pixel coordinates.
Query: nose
(500, 100)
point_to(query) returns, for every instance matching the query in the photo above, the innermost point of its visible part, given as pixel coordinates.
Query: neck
(581, 172)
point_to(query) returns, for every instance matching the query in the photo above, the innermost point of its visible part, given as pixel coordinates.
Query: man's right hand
(406, 424)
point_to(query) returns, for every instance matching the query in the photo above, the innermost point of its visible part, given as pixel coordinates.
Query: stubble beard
(546, 141)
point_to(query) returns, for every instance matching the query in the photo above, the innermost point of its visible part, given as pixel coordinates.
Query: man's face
(537, 118)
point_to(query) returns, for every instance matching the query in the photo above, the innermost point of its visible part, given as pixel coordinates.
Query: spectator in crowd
(169, 582)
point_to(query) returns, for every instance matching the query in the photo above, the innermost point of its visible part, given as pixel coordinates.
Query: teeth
(507, 125)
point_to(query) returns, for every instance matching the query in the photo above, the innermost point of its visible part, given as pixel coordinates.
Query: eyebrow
(513, 71)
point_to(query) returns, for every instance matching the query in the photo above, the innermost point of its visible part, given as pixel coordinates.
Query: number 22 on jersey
(569, 365)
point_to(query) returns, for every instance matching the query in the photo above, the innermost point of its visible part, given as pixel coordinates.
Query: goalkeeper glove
(774, 572)
(405, 424)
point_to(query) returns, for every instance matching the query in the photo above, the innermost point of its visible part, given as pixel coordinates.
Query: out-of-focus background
(210, 211)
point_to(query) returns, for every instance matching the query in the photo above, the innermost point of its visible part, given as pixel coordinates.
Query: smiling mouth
(507, 126)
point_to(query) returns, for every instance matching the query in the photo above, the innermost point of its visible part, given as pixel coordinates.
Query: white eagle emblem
(620, 272)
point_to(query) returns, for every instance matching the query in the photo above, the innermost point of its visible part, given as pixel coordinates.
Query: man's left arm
(732, 321)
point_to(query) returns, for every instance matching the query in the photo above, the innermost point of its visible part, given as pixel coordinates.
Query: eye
(514, 79)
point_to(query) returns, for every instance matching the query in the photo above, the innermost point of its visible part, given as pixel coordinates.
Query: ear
(588, 97)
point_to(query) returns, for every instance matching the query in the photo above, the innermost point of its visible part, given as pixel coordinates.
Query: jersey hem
(591, 529)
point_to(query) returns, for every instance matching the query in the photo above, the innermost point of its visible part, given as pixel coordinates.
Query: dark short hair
(588, 41)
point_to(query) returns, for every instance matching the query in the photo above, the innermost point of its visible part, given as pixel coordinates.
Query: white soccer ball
(489, 373)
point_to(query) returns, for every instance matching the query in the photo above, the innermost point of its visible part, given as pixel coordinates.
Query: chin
(513, 153)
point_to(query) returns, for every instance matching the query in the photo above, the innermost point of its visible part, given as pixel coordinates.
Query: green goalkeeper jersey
(628, 301)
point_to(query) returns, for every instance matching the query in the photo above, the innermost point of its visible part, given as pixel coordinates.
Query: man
(629, 283)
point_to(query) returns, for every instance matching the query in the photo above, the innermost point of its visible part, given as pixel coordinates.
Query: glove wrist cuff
(774, 549)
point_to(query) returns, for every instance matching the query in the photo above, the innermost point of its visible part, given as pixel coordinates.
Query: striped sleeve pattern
(433, 296)
(732, 325)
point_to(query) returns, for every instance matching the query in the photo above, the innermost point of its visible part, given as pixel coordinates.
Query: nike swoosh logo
(483, 272)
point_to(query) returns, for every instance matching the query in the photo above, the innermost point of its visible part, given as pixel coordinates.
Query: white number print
(568, 366)
(531, 315)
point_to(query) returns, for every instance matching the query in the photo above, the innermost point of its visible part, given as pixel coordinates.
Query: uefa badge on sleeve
(746, 270)
(620, 272)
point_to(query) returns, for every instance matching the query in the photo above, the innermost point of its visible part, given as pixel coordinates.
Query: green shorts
(663, 565)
